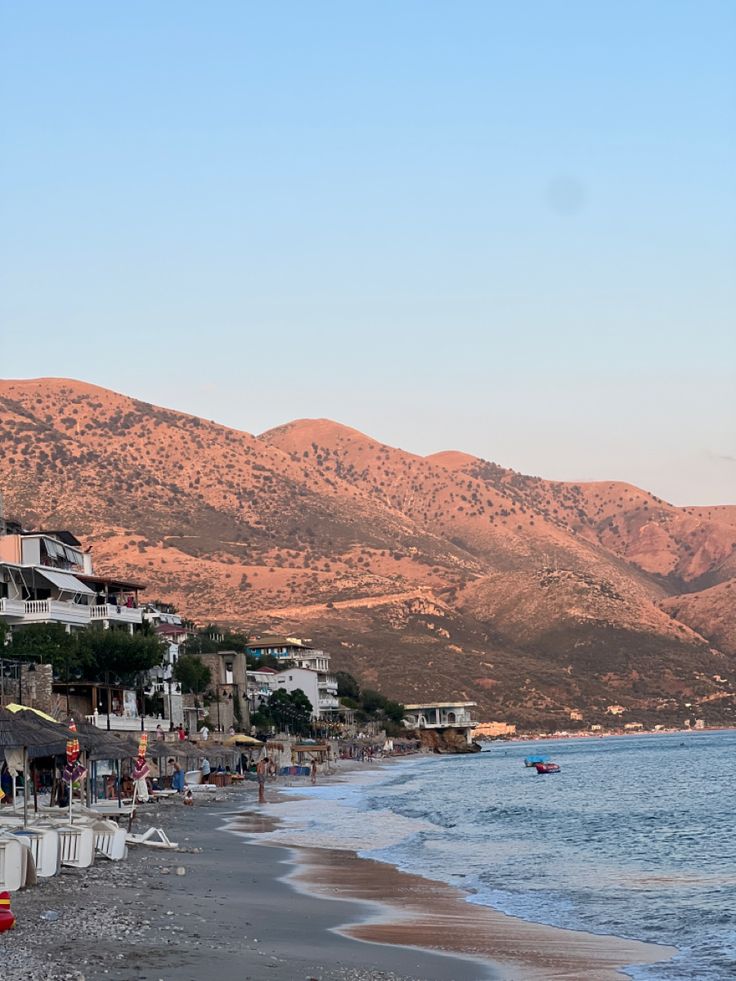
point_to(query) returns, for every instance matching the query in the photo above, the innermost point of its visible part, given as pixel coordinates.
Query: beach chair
(77, 846)
(11, 863)
(45, 848)
(110, 840)
(153, 837)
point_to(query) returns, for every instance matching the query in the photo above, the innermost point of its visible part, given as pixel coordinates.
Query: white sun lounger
(149, 838)
(11, 863)
(77, 846)
(110, 840)
(45, 848)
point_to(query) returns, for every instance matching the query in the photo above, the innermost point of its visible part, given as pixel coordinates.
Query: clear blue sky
(503, 228)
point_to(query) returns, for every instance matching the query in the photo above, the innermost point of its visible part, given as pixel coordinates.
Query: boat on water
(533, 760)
(545, 767)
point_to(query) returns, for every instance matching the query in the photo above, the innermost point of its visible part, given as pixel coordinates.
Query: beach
(224, 906)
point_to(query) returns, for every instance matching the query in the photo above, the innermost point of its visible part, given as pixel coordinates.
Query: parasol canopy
(14, 707)
(240, 739)
(39, 738)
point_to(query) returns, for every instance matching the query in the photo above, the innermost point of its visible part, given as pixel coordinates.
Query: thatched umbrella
(34, 737)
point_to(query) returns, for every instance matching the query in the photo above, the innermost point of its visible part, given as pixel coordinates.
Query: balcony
(12, 608)
(119, 723)
(328, 702)
(116, 614)
(48, 611)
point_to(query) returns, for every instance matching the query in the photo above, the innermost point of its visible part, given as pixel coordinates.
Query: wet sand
(412, 911)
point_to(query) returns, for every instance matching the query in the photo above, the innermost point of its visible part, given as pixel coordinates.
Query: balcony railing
(12, 607)
(122, 614)
(128, 724)
(328, 701)
(39, 611)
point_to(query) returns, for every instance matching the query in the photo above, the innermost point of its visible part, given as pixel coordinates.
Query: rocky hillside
(444, 575)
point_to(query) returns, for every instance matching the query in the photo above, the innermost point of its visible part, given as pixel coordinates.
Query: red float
(7, 918)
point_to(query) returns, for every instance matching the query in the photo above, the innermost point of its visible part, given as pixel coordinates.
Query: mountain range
(445, 575)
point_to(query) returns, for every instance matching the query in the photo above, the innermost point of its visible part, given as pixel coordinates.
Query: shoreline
(414, 912)
(230, 904)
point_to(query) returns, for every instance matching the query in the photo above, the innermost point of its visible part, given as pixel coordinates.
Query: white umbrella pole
(25, 787)
(132, 806)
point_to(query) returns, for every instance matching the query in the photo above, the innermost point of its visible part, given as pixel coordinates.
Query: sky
(508, 229)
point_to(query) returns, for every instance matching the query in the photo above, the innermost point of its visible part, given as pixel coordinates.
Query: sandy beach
(226, 907)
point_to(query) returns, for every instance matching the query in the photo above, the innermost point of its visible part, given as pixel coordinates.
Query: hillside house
(442, 715)
(303, 655)
(47, 577)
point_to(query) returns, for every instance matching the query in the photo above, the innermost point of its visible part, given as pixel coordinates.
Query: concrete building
(47, 577)
(228, 694)
(303, 655)
(441, 716)
(263, 683)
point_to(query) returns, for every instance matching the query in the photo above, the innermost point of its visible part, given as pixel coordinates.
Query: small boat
(547, 768)
(533, 760)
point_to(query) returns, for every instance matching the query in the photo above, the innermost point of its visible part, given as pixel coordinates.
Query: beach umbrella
(240, 739)
(17, 731)
(14, 707)
(73, 769)
(32, 738)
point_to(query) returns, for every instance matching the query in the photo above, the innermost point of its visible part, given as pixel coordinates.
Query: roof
(439, 705)
(278, 642)
(64, 536)
(64, 581)
(110, 581)
(170, 629)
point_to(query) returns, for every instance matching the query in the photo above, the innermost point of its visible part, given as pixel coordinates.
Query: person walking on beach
(181, 734)
(261, 775)
(204, 734)
(177, 779)
(206, 769)
(314, 771)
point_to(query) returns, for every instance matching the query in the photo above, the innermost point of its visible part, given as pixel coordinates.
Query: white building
(442, 715)
(47, 577)
(303, 655)
(263, 683)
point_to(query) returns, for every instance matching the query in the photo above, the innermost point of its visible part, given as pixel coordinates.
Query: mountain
(444, 575)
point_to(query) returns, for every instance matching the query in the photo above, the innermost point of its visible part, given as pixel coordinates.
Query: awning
(64, 582)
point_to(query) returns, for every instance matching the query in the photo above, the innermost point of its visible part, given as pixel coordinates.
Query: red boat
(546, 768)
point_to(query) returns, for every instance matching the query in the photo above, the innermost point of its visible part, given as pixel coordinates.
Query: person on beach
(313, 774)
(159, 732)
(204, 733)
(206, 769)
(177, 779)
(261, 770)
(181, 734)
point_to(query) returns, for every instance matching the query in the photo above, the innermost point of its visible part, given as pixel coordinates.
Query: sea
(634, 837)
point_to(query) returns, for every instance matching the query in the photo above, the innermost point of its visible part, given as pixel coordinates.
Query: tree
(116, 652)
(213, 638)
(291, 710)
(50, 644)
(394, 711)
(372, 700)
(347, 686)
(193, 675)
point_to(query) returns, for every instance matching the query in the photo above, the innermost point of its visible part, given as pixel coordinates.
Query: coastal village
(121, 722)
(166, 673)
